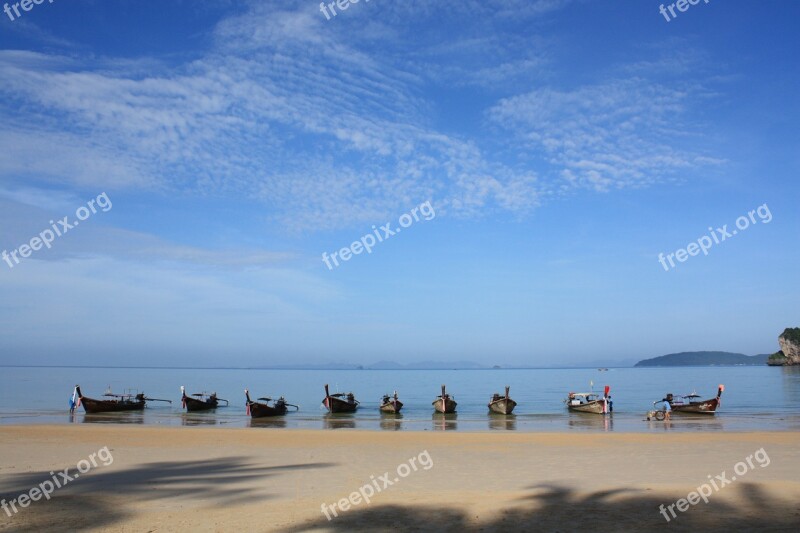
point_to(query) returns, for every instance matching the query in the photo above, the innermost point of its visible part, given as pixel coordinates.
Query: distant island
(704, 359)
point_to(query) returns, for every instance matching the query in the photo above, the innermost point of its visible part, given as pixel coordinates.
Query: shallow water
(755, 398)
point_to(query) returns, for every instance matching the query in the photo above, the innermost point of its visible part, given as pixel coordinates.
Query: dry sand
(201, 479)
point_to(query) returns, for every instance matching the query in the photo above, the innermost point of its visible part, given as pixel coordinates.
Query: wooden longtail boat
(339, 402)
(444, 403)
(691, 404)
(503, 405)
(201, 402)
(120, 402)
(589, 402)
(391, 404)
(262, 410)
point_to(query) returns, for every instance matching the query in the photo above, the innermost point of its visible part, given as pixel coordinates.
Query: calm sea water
(755, 398)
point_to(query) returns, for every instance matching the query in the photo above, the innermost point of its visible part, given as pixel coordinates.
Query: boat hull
(259, 410)
(193, 404)
(91, 405)
(335, 405)
(444, 406)
(705, 407)
(597, 407)
(503, 406)
(391, 407)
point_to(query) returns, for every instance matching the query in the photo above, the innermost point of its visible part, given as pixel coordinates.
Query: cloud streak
(287, 111)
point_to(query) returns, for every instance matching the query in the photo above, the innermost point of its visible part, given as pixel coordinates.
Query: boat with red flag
(590, 402)
(502, 405)
(445, 403)
(692, 404)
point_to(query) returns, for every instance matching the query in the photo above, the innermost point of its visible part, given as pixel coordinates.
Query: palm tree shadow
(557, 508)
(95, 499)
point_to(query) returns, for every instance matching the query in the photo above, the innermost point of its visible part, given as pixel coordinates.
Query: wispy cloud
(615, 134)
(293, 112)
(219, 125)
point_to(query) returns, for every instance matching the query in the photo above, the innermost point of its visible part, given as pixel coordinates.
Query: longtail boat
(589, 402)
(391, 404)
(120, 402)
(691, 404)
(339, 402)
(503, 405)
(444, 403)
(262, 410)
(201, 401)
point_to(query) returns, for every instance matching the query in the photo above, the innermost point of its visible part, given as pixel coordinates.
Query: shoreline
(278, 480)
(618, 422)
(655, 429)
(109, 426)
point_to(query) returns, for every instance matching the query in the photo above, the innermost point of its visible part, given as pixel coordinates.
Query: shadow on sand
(94, 499)
(554, 508)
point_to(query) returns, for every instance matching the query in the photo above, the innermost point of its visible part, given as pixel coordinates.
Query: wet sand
(208, 479)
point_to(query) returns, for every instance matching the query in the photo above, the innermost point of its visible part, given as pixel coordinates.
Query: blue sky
(563, 144)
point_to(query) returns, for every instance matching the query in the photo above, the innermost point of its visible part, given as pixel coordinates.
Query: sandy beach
(166, 479)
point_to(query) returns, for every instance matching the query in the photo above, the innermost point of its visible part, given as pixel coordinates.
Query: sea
(756, 398)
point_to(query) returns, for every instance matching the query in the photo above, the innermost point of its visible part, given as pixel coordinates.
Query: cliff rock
(790, 345)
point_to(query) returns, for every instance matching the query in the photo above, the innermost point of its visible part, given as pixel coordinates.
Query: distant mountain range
(425, 365)
(673, 359)
(704, 359)
(385, 365)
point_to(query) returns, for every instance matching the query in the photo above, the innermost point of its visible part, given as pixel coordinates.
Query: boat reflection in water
(502, 422)
(697, 423)
(267, 422)
(590, 421)
(110, 418)
(656, 425)
(391, 421)
(198, 419)
(445, 422)
(338, 421)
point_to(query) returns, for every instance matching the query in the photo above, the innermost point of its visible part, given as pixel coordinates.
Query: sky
(542, 159)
